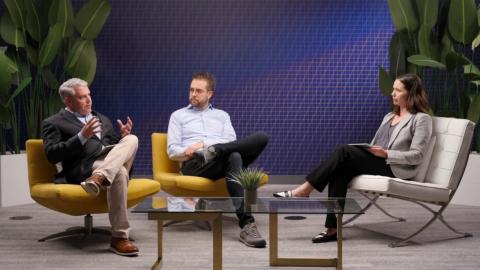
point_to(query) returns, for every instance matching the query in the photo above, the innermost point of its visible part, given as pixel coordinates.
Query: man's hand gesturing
(91, 127)
(125, 129)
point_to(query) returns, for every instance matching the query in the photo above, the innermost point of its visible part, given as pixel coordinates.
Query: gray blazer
(408, 143)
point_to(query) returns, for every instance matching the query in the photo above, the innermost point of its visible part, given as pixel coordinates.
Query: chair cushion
(139, 188)
(73, 200)
(423, 167)
(397, 187)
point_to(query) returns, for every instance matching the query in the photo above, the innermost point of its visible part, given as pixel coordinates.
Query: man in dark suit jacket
(92, 155)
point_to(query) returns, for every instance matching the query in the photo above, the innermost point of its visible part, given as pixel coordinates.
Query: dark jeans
(230, 158)
(344, 164)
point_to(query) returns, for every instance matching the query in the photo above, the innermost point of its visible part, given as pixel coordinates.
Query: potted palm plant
(13, 179)
(48, 42)
(250, 179)
(43, 43)
(438, 39)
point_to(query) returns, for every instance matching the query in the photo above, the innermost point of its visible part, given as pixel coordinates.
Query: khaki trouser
(115, 166)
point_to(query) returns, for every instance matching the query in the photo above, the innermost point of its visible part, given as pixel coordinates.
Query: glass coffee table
(212, 208)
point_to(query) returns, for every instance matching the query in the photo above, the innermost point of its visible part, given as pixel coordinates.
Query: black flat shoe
(324, 237)
(283, 194)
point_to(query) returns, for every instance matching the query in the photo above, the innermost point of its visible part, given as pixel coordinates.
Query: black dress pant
(230, 158)
(344, 164)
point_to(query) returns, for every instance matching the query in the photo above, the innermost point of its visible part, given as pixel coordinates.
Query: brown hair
(417, 100)
(211, 82)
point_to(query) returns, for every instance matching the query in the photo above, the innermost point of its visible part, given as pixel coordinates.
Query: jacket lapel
(399, 127)
(386, 119)
(71, 118)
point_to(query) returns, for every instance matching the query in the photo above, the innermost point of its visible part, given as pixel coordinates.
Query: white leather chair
(444, 172)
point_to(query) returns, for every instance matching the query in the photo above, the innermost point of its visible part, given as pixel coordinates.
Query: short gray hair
(67, 88)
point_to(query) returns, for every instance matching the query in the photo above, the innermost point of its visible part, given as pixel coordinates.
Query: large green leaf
(454, 59)
(397, 55)
(32, 54)
(472, 77)
(75, 52)
(403, 15)
(426, 43)
(37, 25)
(16, 8)
(476, 42)
(474, 109)
(61, 11)
(478, 16)
(385, 82)
(462, 20)
(471, 72)
(52, 12)
(50, 46)
(86, 65)
(476, 83)
(446, 47)
(23, 84)
(4, 115)
(22, 64)
(10, 33)
(50, 79)
(427, 12)
(425, 61)
(5, 78)
(91, 18)
(8, 63)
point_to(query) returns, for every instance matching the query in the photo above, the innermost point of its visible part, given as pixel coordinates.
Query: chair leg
(86, 231)
(436, 214)
(399, 219)
(364, 209)
(372, 201)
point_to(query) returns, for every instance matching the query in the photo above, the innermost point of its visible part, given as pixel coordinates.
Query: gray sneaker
(251, 237)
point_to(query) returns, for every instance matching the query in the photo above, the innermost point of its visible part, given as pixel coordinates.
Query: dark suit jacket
(59, 134)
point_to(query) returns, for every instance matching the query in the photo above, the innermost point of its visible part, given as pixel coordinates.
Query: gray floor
(187, 247)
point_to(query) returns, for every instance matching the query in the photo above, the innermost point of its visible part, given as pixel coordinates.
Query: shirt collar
(190, 107)
(76, 113)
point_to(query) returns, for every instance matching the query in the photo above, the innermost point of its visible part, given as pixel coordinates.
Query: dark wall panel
(305, 72)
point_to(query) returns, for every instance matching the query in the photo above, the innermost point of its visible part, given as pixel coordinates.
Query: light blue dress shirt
(84, 119)
(190, 125)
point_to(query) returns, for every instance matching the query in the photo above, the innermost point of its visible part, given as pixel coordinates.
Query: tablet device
(362, 145)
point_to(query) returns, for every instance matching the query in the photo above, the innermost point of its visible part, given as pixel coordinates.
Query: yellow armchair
(167, 173)
(72, 199)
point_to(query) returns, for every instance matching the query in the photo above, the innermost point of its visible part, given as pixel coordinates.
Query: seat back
(39, 169)
(160, 160)
(450, 155)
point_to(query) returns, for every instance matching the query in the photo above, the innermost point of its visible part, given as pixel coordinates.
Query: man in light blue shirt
(203, 139)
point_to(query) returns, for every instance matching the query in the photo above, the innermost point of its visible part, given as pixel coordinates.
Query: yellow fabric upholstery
(72, 199)
(167, 173)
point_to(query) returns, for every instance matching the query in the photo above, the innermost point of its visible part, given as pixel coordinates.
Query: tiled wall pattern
(304, 71)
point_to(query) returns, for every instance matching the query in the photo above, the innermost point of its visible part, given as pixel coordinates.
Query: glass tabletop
(157, 204)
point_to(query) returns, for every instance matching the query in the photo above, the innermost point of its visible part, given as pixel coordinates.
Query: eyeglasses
(198, 91)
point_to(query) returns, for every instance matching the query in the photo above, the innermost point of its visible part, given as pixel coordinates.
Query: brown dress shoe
(94, 184)
(123, 246)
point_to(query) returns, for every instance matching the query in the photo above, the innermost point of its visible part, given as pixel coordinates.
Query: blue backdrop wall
(305, 72)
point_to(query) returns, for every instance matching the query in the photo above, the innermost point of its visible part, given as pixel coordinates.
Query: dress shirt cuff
(178, 154)
(82, 138)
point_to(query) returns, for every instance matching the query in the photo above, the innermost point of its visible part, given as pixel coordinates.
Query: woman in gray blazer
(397, 149)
